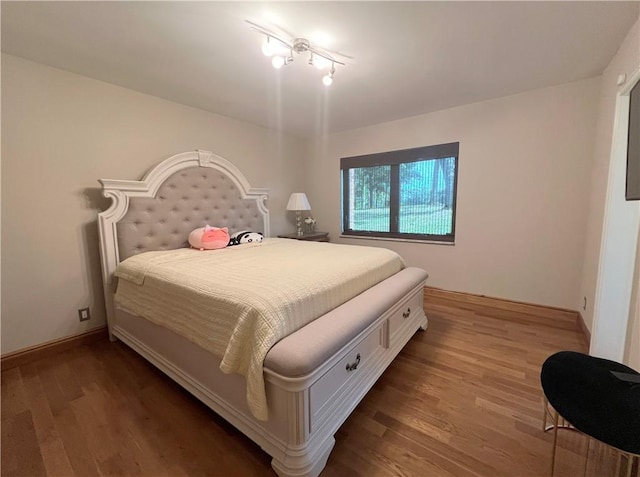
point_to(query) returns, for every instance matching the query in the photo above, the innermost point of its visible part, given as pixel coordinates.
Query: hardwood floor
(462, 399)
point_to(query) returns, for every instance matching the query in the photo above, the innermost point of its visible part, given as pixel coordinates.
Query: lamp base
(299, 224)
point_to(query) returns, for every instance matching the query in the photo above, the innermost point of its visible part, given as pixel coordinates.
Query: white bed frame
(305, 409)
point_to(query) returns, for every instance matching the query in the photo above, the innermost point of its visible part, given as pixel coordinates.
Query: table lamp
(298, 202)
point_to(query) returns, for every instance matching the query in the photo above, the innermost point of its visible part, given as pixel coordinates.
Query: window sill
(389, 239)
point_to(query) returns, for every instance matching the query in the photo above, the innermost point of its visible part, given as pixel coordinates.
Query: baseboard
(27, 355)
(550, 312)
(585, 331)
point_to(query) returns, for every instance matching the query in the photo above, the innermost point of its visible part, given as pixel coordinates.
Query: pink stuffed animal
(209, 238)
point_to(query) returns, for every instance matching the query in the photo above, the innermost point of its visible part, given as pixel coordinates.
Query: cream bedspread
(239, 301)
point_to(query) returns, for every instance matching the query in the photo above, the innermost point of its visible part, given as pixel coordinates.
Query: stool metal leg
(559, 421)
(555, 441)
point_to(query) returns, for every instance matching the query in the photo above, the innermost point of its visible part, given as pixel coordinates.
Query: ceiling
(403, 58)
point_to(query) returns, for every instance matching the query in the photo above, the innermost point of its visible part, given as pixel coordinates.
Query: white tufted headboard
(189, 198)
(183, 192)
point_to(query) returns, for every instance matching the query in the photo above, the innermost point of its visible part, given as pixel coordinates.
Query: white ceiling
(408, 58)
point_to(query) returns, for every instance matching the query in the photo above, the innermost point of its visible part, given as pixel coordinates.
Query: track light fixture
(281, 50)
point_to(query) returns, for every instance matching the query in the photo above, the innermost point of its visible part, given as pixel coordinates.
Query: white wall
(523, 191)
(61, 132)
(606, 262)
(626, 60)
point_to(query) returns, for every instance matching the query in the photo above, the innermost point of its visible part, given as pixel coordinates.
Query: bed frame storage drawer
(405, 316)
(344, 374)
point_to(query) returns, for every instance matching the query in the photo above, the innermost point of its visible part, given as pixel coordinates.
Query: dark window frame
(632, 185)
(394, 159)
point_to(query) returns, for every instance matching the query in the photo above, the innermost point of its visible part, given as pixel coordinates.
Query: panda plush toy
(245, 237)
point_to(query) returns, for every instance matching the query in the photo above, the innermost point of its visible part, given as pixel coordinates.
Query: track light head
(277, 62)
(328, 78)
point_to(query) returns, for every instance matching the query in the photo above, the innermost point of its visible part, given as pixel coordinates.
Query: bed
(313, 377)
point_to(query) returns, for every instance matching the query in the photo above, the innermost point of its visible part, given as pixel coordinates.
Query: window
(408, 194)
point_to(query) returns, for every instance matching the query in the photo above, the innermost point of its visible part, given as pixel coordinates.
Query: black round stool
(584, 391)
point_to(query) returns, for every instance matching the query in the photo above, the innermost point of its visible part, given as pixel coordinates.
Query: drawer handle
(406, 313)
(354, 366)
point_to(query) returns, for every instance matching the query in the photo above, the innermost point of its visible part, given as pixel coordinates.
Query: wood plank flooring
(462, 399)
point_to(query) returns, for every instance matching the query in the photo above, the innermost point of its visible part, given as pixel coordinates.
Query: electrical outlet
(83, 314)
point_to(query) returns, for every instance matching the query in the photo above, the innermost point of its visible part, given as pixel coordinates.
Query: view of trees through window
(413, 199)
(370, 192)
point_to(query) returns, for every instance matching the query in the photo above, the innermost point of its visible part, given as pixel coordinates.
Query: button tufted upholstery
(188, 199)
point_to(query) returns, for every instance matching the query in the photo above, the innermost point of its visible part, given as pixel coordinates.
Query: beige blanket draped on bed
(239, 301)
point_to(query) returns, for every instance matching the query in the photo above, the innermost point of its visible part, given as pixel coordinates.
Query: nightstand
(313, 237)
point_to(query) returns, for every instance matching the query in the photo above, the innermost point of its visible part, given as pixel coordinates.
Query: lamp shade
(298, 201)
